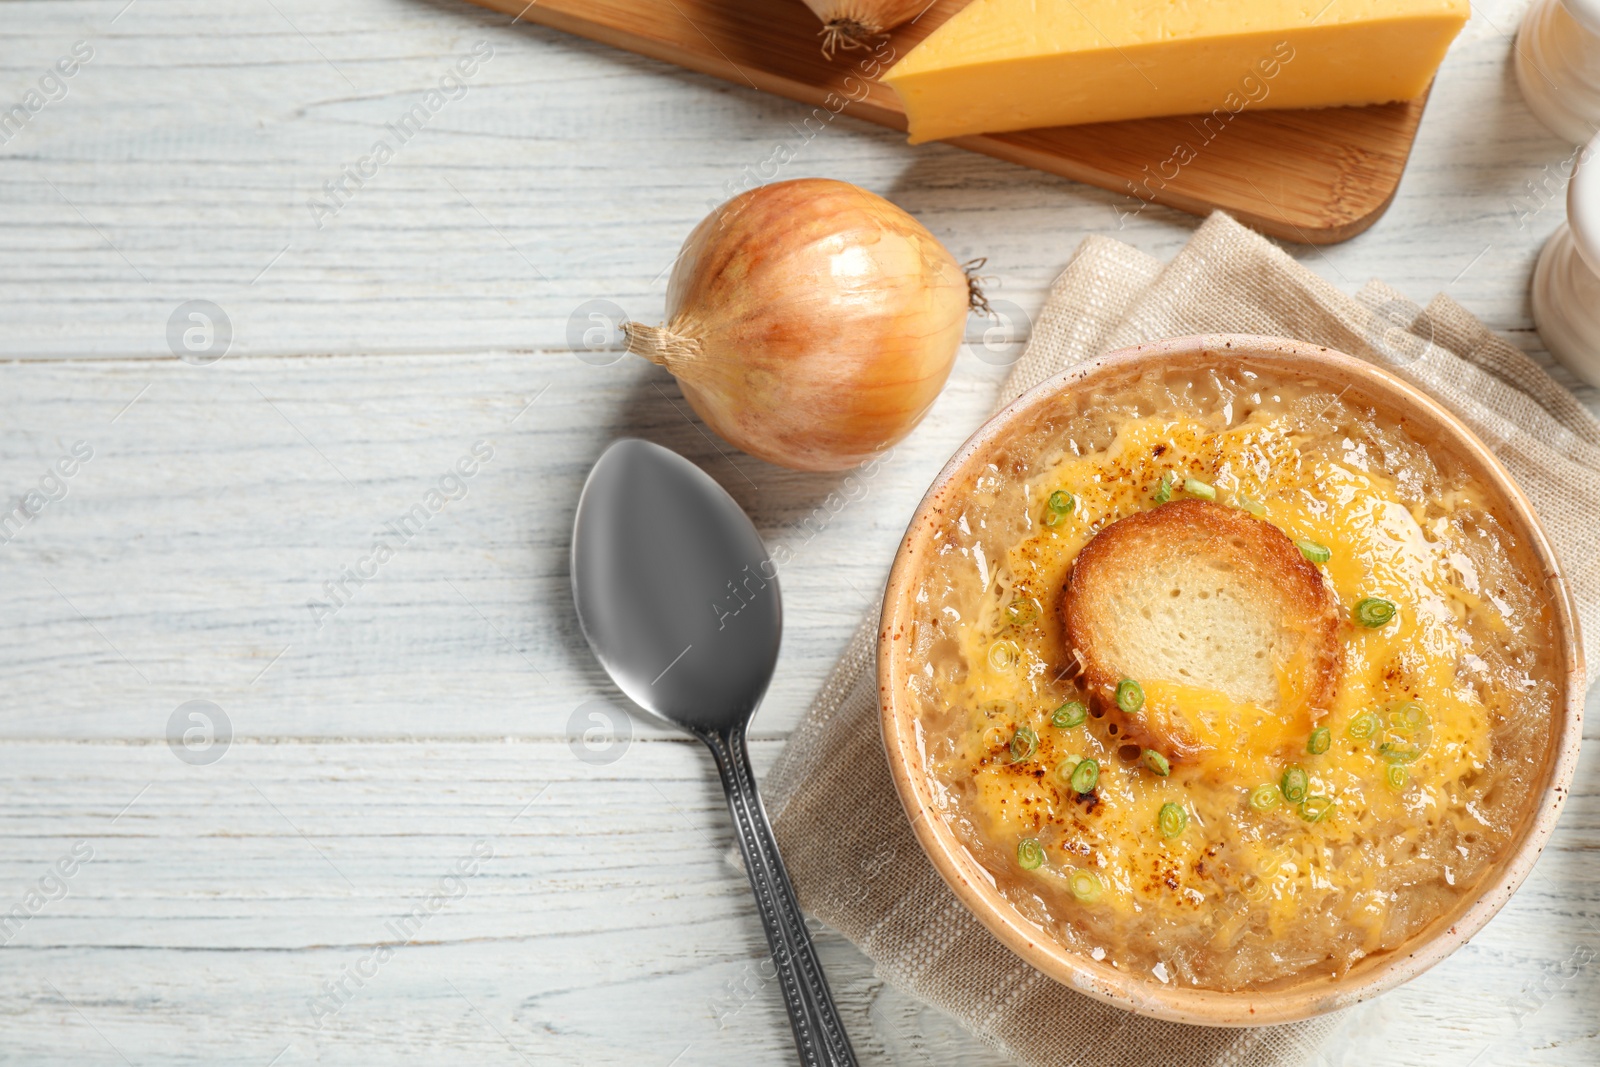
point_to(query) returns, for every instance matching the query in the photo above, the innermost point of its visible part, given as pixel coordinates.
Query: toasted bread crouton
(1231, 633)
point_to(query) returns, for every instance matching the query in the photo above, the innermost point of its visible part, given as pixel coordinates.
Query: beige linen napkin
(843, 832)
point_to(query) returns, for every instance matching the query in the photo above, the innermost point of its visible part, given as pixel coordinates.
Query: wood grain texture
(603, 926)
(182, 558)
(378, 349)
(1333, 171)
(191, 145)
(518, 203)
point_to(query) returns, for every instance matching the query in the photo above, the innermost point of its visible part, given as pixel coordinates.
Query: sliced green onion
(1363, 726)
(1022, 611)
(1409, 714)
(1396, 777)
(1164, 489)
(1173, 820)
(1315, 809)
(1195, 487)
(1085, 885)
(1024, 743)
(1030, 854)
(1319, 741)
(1070, 714)
(1085, 776)
(1065, 768)
(995, 737)
(1315, 551)
(1294, 785)
(1052, 518)
(1003, 655)
(1406, 733)
(1252, 505)
(1156, 762)
(1062, 502)
(1373, 612)
(1130, 695)
(1265, 797)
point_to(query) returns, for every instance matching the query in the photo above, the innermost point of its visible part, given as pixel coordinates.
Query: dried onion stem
(852, 24)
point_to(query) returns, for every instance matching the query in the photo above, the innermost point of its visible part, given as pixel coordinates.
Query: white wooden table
(244, 910)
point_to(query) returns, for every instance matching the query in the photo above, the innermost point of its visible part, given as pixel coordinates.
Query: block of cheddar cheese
(1000, 65)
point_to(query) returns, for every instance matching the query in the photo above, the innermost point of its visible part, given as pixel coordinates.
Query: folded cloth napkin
(839, 822)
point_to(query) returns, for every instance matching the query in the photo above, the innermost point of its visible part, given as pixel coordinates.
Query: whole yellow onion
(810, 322)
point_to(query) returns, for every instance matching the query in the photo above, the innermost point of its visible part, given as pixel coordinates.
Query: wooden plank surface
(378, 349)
(180, 164)
(1319, 176)
(222, 500)
(601, 926)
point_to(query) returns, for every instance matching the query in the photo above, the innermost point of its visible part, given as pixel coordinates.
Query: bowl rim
(973, 886)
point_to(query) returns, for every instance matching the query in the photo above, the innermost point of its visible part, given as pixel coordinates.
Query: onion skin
(854, 23)
(810, 323)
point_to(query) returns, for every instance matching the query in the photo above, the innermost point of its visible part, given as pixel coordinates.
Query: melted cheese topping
(1410, 724)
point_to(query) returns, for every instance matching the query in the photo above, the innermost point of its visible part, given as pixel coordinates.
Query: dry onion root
(857, 23)
(810, 322)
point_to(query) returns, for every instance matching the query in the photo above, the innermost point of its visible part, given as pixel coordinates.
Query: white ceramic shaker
(1566, 283)
(1558, 66)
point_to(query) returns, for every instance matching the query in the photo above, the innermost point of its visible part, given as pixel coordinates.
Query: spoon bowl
(674, 590)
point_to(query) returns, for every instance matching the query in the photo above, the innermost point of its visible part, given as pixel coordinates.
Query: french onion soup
(1227, 682)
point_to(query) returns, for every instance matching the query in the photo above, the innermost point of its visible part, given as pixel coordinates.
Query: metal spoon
(679, 601)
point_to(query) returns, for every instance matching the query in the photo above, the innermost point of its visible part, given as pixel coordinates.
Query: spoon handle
(818, 1034)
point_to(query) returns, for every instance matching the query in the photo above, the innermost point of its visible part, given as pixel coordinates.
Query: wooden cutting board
(1316, 177)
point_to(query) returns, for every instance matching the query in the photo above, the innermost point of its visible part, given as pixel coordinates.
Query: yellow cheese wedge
(1020, 64)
